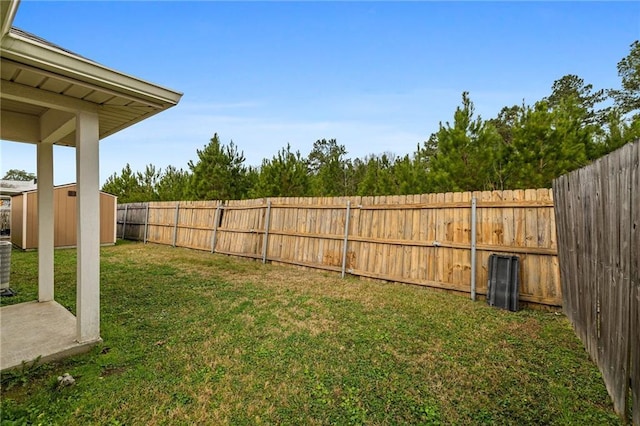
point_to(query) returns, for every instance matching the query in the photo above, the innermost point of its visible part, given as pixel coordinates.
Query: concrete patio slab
(37, 329)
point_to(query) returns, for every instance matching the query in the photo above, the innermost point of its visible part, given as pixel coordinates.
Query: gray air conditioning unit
(5, 268)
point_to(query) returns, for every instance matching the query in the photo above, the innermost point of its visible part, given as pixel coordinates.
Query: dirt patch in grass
(112, 370)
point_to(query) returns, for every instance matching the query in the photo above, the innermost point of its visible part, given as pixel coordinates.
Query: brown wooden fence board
(417, 239)
(598, 213)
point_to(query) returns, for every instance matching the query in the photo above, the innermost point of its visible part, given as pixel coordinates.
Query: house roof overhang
(43, 86)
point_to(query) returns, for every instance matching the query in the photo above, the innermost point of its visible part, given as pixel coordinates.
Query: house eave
(30, 52)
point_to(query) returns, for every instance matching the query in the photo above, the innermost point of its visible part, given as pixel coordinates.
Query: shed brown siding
(65, 218)
(17, 213)
(31, 219)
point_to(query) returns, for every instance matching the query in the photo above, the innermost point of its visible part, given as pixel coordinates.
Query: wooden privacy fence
(598, 214)
(417, 239)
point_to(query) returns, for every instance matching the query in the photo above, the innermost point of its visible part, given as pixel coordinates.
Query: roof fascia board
(8, 11)
(31, 52)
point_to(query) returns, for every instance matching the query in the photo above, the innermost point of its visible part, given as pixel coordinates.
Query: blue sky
(377, 76)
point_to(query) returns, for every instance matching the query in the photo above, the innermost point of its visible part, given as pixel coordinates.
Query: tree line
(524, 146)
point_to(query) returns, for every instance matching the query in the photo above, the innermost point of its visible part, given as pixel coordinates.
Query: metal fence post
(473, 248)
(175, 226)
(346, 239)
(146, 222)
(124, 220)
(216, 219)
(265, 243)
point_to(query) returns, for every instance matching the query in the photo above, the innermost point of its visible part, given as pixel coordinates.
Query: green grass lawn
(195, 338)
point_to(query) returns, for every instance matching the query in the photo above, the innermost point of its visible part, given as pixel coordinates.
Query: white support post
(88, 213)
(45, 222)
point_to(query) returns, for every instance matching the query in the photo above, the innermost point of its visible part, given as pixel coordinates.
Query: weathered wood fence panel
(634, 268)
(417, 239)
(598, 216)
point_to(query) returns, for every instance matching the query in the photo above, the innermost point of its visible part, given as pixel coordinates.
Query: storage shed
(24, 218)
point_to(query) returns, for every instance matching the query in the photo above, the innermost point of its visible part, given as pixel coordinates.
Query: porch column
(88, 212)
(45, 221)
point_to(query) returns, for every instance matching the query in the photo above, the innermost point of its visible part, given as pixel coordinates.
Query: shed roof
(10, 187)
(66, 185)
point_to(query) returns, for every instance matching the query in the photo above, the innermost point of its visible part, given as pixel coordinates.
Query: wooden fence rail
(598, 215)
(417, 239)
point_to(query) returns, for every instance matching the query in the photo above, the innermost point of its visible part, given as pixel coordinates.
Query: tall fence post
(473, 247)
(175, 226)
(265, 243)
(346, 239)
(124, 220)
(146, 222)
(214, 237)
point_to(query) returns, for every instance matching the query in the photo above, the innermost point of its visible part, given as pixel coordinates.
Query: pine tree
(464, 153)
(219, 173)
(378, 177)
(148, 182)
(628, 97)
(572, 87)
(328, 168)
(173, 185)
(125, 186)
(284, 175)
(547, 143)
